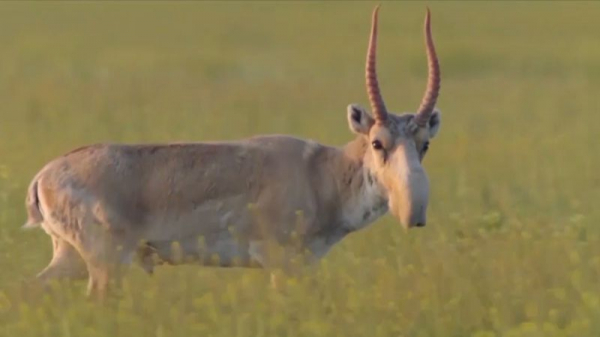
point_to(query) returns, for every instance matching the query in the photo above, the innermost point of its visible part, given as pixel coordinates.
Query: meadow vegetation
(512, 245)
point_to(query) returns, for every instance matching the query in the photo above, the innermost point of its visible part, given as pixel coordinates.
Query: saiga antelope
(99, 202)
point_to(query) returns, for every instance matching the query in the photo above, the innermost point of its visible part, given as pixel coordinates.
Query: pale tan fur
(227, 203)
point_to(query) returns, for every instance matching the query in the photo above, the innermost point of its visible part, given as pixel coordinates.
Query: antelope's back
(135, 185)
(139, 180)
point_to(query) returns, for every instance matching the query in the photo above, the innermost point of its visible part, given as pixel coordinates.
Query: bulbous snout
(415, 219)
(408, 201)
(410, 216)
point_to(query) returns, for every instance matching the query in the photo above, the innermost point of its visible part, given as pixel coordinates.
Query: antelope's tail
(32, 205)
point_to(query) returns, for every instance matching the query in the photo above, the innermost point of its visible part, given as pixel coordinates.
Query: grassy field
(512, 247)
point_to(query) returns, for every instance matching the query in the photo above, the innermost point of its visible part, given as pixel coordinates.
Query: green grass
(512, 247)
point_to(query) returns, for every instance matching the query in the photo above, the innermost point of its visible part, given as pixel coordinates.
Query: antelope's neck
(363, 198)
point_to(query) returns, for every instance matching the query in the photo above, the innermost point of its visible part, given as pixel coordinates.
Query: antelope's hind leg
(106, 267)
(107, 255)
(66, 263)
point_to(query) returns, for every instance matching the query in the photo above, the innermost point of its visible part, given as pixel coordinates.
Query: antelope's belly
(219, 250)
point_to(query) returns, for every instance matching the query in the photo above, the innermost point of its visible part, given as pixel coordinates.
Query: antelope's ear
(435, 121)
(359, 120)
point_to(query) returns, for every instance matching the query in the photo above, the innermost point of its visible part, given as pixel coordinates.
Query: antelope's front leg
(281, 262)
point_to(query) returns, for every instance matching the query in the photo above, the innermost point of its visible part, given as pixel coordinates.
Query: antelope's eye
(377, 145)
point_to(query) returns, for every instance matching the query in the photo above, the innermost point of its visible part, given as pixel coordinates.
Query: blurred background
(512, 246)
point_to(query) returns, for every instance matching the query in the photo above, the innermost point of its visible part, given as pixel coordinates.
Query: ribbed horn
(377, 105)
(433, 82)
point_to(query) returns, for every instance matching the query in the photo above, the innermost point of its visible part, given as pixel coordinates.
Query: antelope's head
(398, 142)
